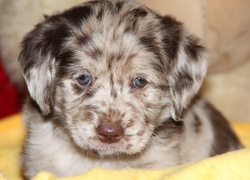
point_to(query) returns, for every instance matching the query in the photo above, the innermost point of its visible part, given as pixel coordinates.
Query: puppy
(113, 84)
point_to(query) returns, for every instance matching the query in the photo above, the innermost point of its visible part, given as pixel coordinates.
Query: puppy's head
(114, 71)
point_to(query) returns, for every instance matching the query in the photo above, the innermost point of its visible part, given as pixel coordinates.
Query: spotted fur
(113, 43)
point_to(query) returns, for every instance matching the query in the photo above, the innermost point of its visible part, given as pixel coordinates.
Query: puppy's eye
(140, 82)
(84, 80)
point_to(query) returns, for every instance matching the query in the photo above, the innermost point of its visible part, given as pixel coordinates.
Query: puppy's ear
(38, 63)
(40, 51)
(187, 66)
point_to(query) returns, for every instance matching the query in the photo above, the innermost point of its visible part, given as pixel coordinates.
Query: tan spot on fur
(140, 133)
(130, 124)
(128, 147)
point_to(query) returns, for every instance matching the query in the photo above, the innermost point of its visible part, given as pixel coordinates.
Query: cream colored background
(224, 26)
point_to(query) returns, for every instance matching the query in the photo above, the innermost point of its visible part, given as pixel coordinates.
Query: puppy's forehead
(113, 33)
(116, 27)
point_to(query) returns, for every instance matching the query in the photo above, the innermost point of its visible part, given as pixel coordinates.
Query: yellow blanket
(234, 165)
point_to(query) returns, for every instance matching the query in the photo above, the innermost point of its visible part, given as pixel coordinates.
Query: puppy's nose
(110, 133)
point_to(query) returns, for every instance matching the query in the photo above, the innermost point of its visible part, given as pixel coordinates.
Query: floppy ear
(186, 65)
(38, 63)
(38, 67)
(188, 72)
(41, 47)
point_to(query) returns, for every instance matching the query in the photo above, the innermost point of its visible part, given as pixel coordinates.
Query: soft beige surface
(228, 32)
(230, 92)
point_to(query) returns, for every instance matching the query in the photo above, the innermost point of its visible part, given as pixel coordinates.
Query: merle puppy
(113, 84)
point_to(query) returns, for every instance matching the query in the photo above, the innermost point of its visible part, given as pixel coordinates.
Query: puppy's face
(114, 83)
(114, 71)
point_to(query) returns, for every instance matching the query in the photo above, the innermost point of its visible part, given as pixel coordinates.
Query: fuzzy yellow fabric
(233, 165)
(11, 139)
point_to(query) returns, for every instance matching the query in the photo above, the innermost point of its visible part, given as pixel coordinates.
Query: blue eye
(84, 80)
(140, 82)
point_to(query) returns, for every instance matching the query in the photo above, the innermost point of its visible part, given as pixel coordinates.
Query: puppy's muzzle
(110, 133)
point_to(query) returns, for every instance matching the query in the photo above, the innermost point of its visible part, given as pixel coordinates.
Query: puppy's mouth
(114, 140)
(118, 149)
